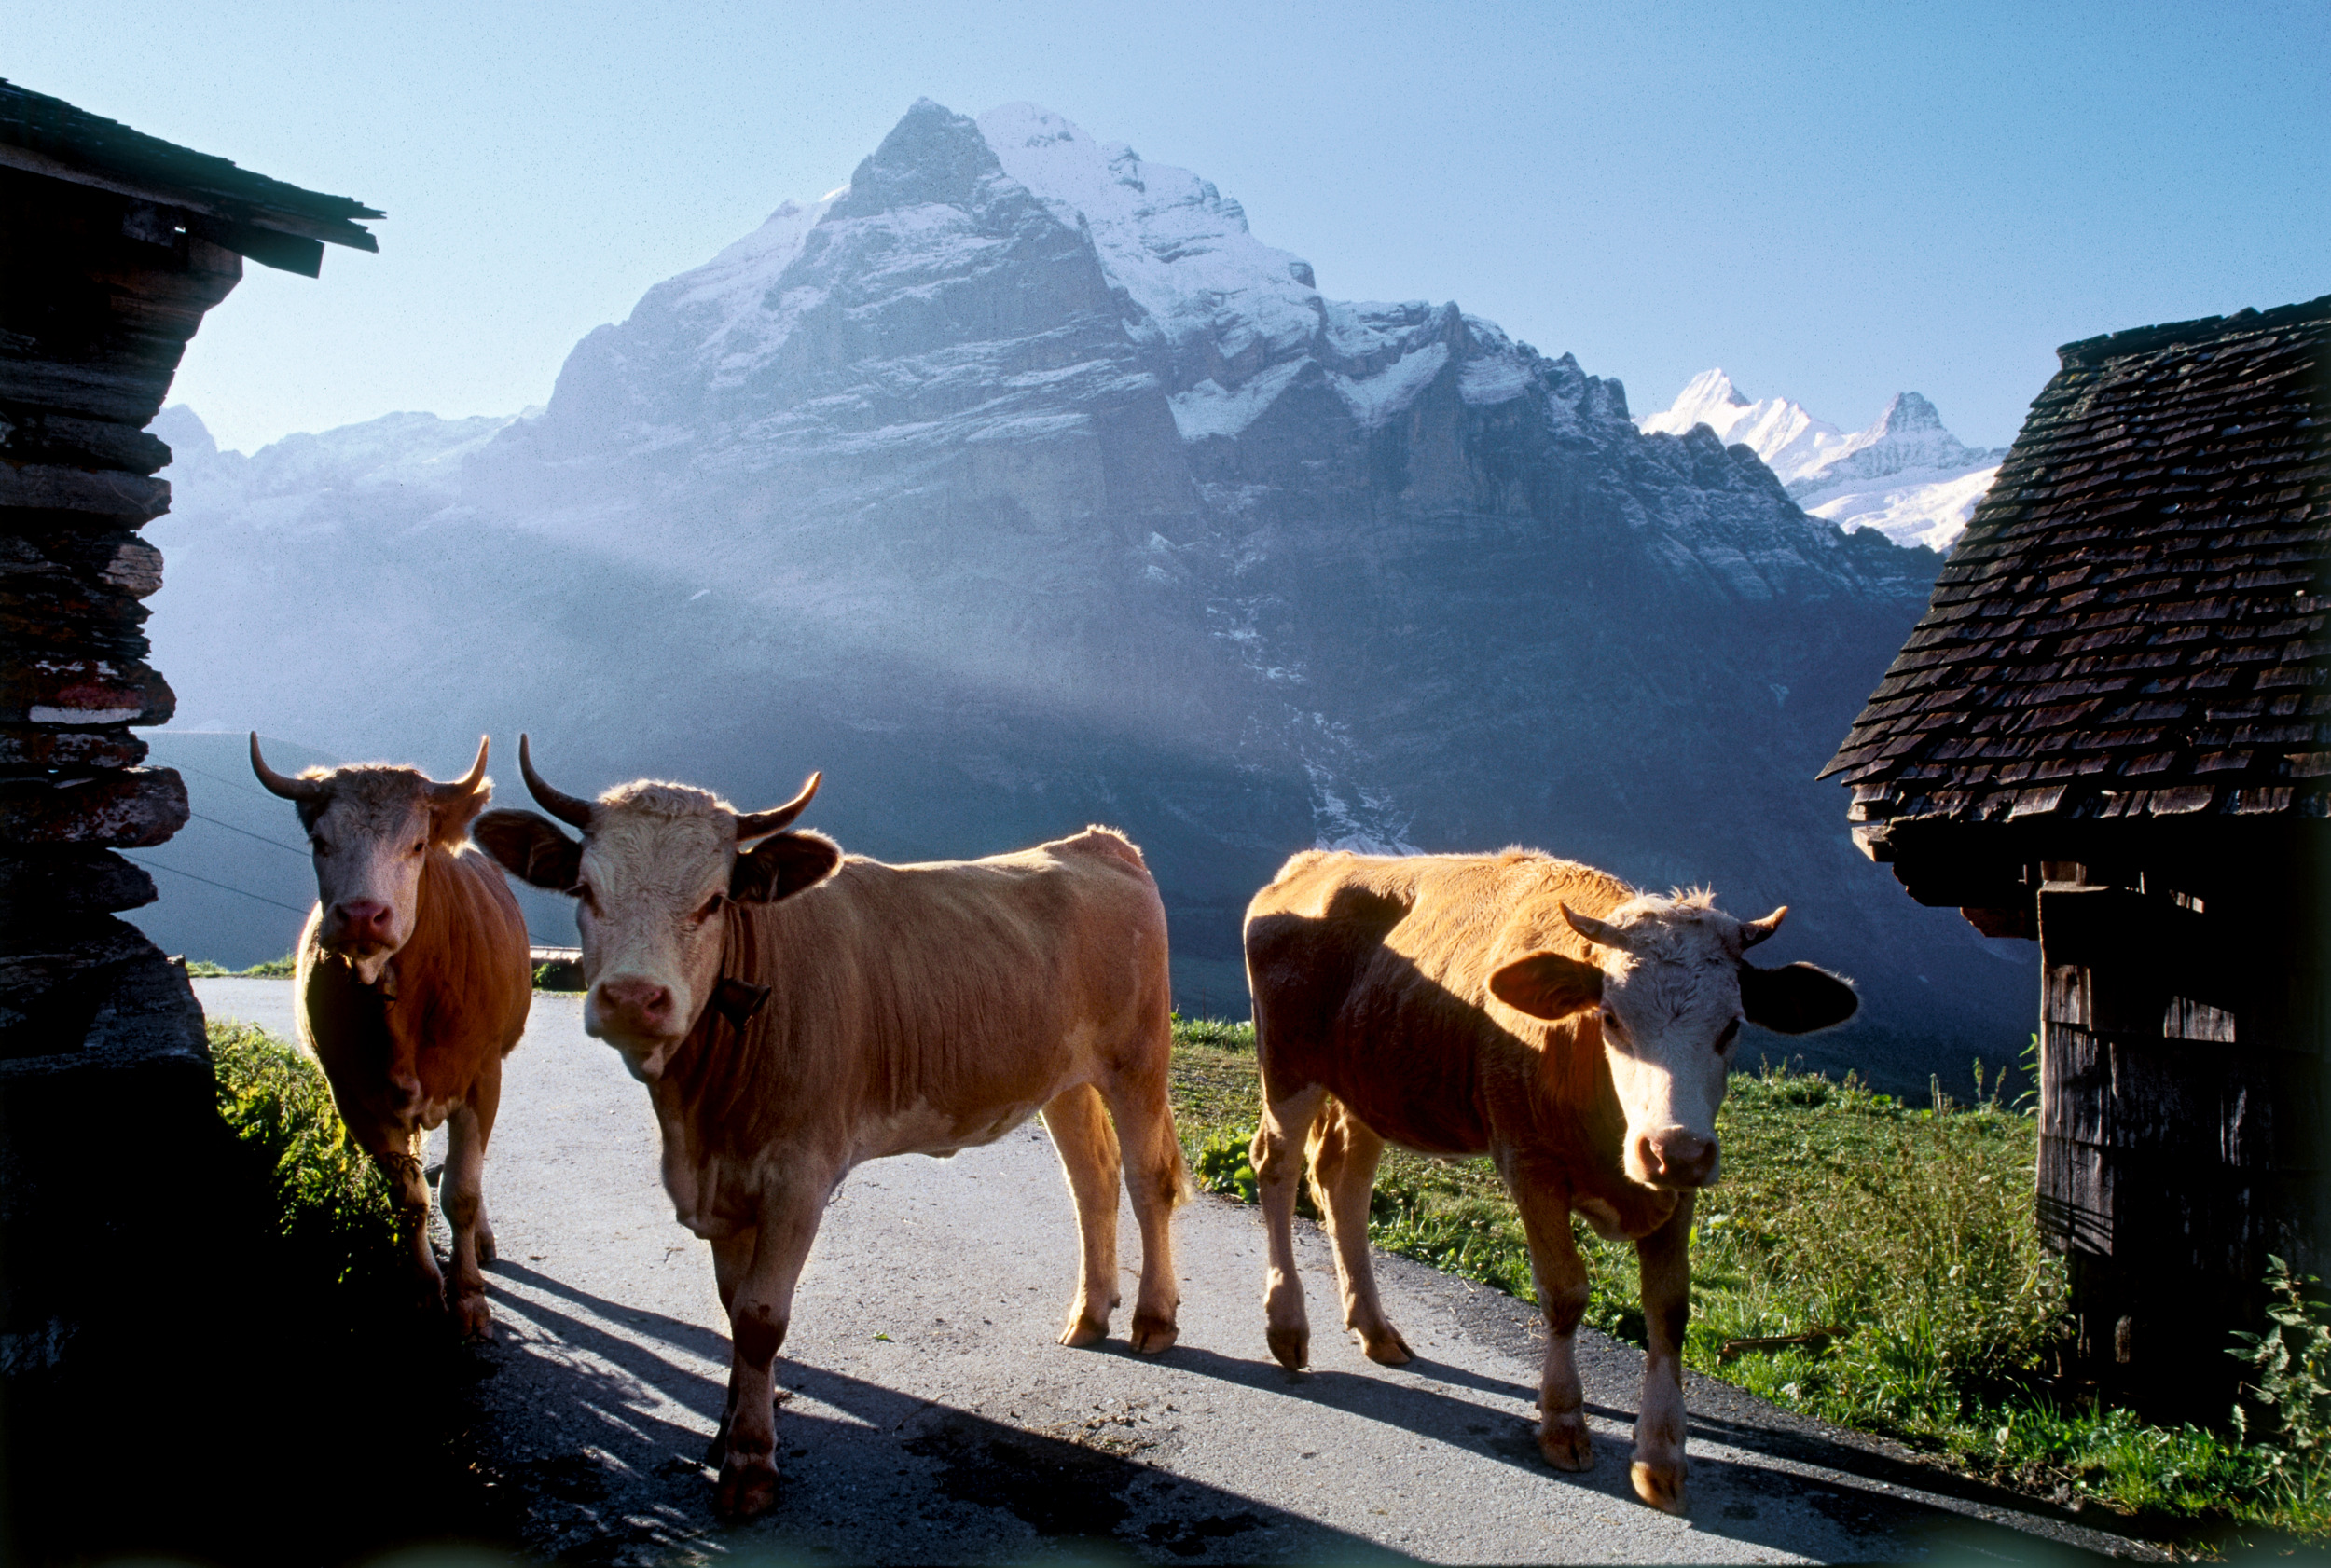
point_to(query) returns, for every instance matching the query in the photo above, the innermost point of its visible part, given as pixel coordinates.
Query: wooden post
(2180, 1115)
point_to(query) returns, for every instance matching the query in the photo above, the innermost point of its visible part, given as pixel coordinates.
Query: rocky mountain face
(1016, 485)
(1904, 476)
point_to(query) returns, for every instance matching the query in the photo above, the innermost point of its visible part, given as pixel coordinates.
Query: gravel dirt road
(929, 1416)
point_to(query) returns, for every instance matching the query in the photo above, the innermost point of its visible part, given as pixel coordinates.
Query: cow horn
(467, 784)
(761, 824)
(1597, 931)
(566, 809)
(1755, 931)
(290, 788)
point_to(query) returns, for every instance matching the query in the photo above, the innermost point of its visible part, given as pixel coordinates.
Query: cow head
(1671, 988)
(652, 876)
(370, 828)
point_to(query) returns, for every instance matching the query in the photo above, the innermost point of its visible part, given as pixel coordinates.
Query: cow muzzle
(633, 1007)
(357, 926)
(1673, 1156)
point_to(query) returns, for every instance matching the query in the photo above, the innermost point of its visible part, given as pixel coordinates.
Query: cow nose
(362, 921)
(638, 1001)
(1676, 1156)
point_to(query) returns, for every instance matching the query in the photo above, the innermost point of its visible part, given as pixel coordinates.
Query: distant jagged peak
(1903, 473)
(933, 156)
(1708, 393)
(1906, 413)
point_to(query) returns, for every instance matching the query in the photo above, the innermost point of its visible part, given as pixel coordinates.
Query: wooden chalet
(112, 246)
(2112, 733)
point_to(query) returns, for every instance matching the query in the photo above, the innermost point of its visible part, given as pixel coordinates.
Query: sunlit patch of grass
(1899, 1244)
(326, 1202)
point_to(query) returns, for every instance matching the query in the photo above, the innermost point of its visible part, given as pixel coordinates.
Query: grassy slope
(1901, 1242)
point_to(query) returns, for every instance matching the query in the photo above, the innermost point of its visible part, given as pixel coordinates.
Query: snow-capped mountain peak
(1903, 475)
(1707, 399)
(1179, 248)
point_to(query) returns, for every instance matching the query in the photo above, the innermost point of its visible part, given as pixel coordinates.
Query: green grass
(1904, 1237)
(273, 968)
(325, 1201)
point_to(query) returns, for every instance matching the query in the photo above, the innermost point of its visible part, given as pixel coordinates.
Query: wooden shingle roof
(2134, 624)
(268, 220)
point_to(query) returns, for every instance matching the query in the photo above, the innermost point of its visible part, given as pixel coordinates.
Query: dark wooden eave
(275, 223)
(2133, 626)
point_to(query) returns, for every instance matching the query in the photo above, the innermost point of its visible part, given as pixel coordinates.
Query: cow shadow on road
(1761, 1504)
(605, 1464)
(578, 1426)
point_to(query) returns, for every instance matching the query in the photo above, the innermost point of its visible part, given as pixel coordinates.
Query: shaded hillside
(1019, 486)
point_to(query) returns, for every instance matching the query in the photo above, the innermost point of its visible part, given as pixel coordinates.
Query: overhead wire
(228, 887)
(288, 849)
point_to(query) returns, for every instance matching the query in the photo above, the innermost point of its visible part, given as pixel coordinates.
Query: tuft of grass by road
(1868, 1262)
(272, 968)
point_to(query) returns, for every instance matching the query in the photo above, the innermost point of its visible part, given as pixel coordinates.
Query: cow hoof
(1291, 1347)
(476, 1322)
(746, 1487)
(1386, 1349)
(1660, 1485)
(1084, 1332)
(1566, 1445)
(716, 1452)
(1154, 1336)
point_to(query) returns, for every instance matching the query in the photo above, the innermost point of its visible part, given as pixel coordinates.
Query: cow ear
(780, 867)
(1796, 1000)
(1548, 986)
(529, 848)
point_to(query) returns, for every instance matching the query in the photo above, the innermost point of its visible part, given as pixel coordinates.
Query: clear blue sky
(1834, 202)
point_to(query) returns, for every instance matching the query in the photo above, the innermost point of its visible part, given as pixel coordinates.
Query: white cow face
(656, 869)
(1670, 989)
(370, 828)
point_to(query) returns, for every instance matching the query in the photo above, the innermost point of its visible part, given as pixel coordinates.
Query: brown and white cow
(1536, 1010)
(413, 983)
(793, 1011)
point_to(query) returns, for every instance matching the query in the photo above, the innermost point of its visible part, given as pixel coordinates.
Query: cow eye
(711, 907)
(419, 846)
(321, 848)
(1731, 1033)
(581, 890)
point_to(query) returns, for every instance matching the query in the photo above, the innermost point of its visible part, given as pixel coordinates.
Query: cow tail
(1182, 1189)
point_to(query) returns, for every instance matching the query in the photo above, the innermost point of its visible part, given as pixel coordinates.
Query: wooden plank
(88, 692)
(128, 808)
(106, 492)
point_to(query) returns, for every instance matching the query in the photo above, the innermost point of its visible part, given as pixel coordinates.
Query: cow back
(968, 985)
(1370, 977)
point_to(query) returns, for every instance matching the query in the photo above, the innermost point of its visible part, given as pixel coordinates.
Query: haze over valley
(1016, 484)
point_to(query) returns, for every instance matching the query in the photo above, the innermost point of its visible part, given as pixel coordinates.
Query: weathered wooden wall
(2181, 1104)
(107, 1118)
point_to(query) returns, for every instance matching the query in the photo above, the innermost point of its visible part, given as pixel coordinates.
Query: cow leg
(1277, 1163)
(398, 1155)
(1088, 1145)
(1560, 1275)
(1156, 1180)
(1659, 1469)
(760, 1307)
(731, 1254)
(460, 1191)
(1344, 1155)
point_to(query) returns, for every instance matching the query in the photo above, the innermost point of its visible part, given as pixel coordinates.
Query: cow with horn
(793, 1011)
(1536, 1010)
(413, 982)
